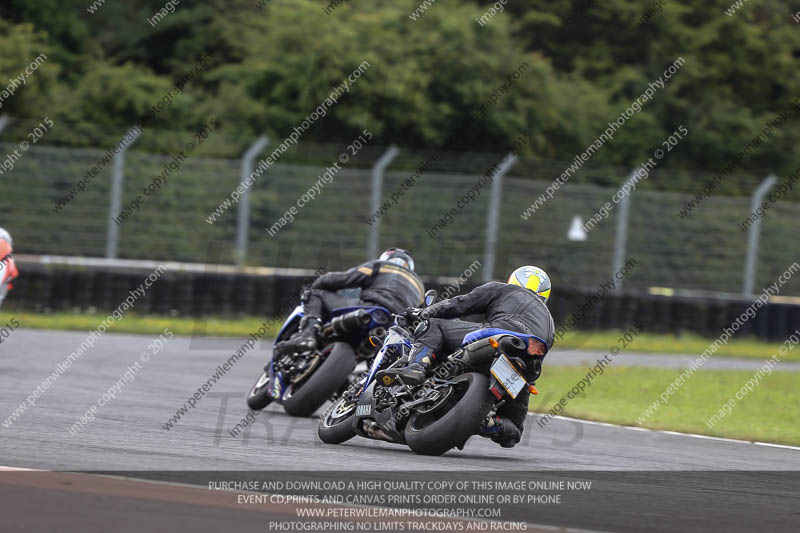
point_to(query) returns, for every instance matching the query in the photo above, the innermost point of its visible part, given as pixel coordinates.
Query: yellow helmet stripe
(545, 294)
(533, 283)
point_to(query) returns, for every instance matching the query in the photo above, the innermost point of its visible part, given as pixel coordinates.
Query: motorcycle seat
(491, 332)
(369, 308)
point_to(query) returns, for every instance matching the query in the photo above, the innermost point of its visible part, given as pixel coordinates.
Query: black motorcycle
(302, 381)
(449, 407)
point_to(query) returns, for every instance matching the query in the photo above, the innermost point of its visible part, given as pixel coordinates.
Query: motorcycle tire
(443, 429)
(323, 383)
(336, 430)
(260, 394)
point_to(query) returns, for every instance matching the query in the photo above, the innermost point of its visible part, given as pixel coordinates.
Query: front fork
(277, 382)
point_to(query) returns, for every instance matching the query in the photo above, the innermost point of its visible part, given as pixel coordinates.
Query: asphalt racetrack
(128, 434)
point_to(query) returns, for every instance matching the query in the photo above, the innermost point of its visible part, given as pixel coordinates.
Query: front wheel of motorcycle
(457, 417)
(313, 392)
(336, 426)
(260, 394)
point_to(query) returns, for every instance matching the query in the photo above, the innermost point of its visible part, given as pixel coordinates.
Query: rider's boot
(415, 373)
(306, 337)
(501, 430)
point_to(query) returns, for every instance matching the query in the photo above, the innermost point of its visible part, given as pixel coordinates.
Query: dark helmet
(398, 256)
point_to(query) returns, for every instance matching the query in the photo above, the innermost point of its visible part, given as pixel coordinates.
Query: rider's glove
(503, 432)
(304, 296)
(412, 315)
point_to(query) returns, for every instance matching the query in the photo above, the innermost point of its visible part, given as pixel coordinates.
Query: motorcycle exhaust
(344, 324)
(513, 345)
(379, 332)
(370, 345)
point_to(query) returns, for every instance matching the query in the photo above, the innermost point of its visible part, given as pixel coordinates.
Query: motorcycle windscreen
(297, 314)
(392, 338)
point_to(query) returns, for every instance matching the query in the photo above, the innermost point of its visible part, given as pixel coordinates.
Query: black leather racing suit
(501, 305)
(382, 283)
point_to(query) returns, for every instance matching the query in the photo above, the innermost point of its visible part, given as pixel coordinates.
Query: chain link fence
(705, 251)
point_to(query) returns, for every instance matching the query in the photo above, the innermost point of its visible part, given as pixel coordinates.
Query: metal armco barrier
(222, 291)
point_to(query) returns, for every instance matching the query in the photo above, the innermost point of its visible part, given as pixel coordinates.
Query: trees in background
(585, 62)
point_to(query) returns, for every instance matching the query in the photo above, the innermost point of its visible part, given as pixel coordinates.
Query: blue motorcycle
(492, 367)
(302, 381)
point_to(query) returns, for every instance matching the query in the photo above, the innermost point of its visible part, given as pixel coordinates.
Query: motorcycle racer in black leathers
(389, 281)
(519, 305)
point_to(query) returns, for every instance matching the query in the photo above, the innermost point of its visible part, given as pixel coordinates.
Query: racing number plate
(508, 376)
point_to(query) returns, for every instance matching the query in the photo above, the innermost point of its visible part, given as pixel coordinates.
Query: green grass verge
(770, 413)
(148, 325)
(242, 327)
(673, 344)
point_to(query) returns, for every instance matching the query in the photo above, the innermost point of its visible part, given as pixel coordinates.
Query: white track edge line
(695, 435)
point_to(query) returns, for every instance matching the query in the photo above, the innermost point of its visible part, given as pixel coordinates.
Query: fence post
(378, 170)
(3, 121)
(243, 216)
(493, 216)
(753, 236)
(621, 240)
(117, 181)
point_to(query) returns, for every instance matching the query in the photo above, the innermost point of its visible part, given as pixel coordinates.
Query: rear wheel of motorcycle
(313, 392)
(456, 420)
(260, 394)
(336, 426)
